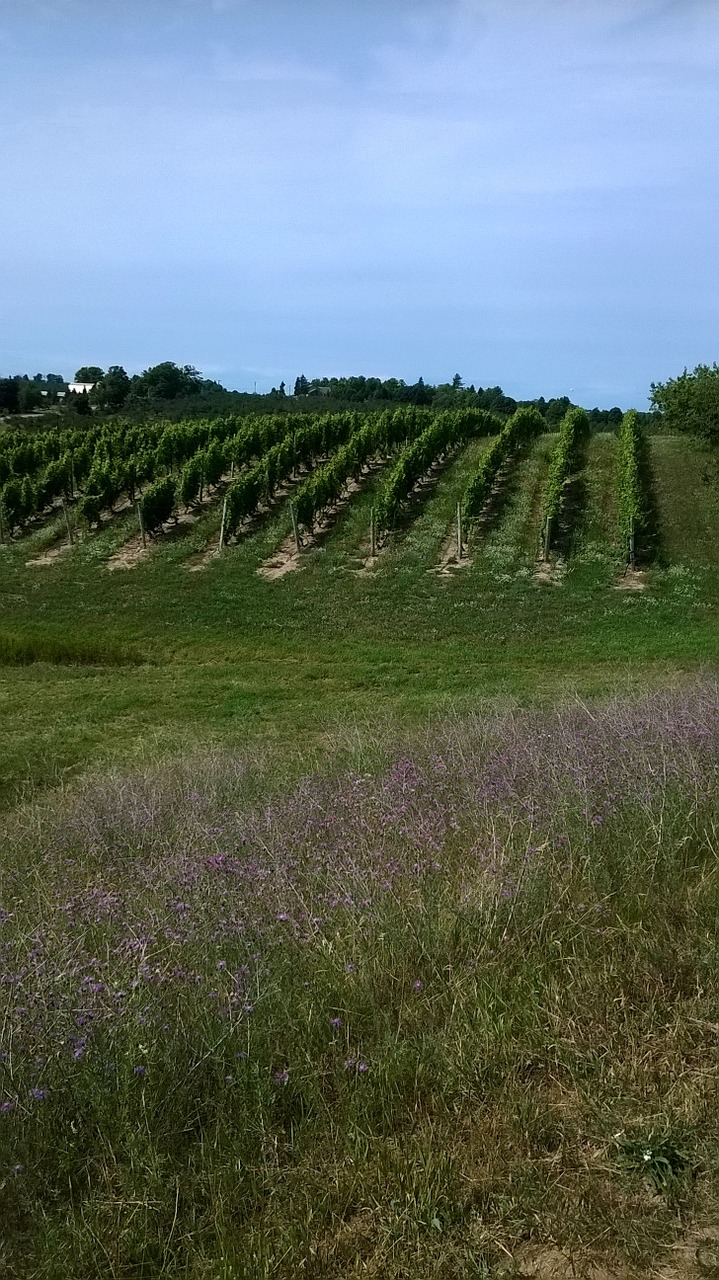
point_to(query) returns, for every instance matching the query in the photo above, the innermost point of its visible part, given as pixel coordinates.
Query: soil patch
(549, 573)
(548, 1263)
(286, 559)
(128, 556)
(449, 561)
(201, 559)
(51, 556)
(632, 580)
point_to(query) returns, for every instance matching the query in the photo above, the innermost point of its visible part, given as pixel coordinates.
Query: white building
(79, 387)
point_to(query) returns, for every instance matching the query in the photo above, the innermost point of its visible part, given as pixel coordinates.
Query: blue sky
(524, 191)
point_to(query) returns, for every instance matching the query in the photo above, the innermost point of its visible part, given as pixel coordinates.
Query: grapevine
(446, 432)
(524, 425)
(573, 431)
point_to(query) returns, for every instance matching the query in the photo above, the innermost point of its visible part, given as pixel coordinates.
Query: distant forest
(180, 391)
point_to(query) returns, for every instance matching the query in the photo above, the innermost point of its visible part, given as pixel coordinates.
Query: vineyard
(71, 484)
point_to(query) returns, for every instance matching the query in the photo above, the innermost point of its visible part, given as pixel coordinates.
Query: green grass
(155, 719)
(415, 1015)
(232, 658)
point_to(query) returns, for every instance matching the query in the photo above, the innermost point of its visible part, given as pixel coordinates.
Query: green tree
(29, 397)
(690, 402)
(166, 381)
(113, 388)
(89, 373)
(9, 395)
(80, 403)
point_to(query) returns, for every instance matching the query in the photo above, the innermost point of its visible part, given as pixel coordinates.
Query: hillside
(153, 650)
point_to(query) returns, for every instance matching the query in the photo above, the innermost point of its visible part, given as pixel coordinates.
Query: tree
(80, 403)
(166, 381)
(29, 397)
(457, 382)
(89, 373)
(113, 388)
(690, 402)
(9, 395)
(302, 386)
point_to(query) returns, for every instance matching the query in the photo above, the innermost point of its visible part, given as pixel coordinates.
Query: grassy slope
(521, 1061)
(232, 656)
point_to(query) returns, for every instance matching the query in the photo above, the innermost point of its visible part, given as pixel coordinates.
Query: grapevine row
(573, 432)
(523, 426)
(445, 433)
(633, 505)
(377, 435)
(318, 437)
(107, 461)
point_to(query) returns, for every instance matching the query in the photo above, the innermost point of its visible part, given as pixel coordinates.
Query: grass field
(407, 875)
(221, 655)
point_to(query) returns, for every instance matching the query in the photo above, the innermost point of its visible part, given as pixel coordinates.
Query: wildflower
(140, 1071)
(7, 1106)
(282, 1076)
(336, 1023)
(356, 1064)
(417, 986)
(38, 1095)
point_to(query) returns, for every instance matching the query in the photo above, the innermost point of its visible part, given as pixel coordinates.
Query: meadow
(360, 918)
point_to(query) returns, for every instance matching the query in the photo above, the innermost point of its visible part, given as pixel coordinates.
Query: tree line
(181, 391)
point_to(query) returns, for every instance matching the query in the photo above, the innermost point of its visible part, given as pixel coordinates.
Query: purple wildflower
(282, 1076)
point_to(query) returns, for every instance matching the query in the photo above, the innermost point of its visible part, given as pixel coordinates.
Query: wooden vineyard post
(632, 551)
(459, 530)
(372, 534)
(547, 538)
(295, 530)
(142, 524)
(222, 526)
(67, 522)
(232, 468)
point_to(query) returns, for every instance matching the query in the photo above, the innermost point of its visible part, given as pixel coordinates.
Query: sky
(522, 191)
